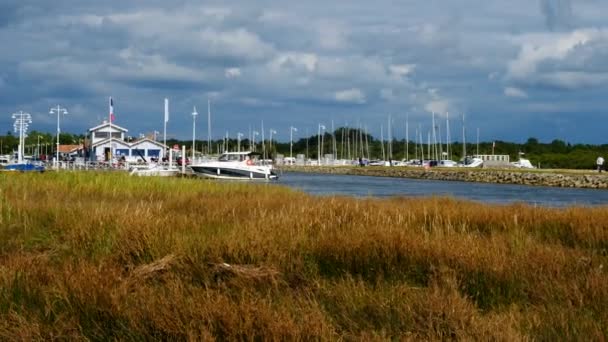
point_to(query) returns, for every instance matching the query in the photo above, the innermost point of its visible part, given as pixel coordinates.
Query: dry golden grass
(105, 256)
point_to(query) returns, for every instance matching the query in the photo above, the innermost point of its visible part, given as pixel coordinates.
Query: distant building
(108, 141)
(66, 152)
(494, 160)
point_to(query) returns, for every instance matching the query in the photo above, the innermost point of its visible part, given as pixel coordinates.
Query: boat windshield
(232, 157)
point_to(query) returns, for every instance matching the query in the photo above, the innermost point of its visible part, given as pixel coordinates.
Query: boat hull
(233, 173)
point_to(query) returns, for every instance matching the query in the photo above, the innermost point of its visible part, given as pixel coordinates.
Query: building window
(122, 151)
(153, 153)
(138, 152)
(101, 135)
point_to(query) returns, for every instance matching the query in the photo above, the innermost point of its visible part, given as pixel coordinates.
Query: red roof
(69, 148)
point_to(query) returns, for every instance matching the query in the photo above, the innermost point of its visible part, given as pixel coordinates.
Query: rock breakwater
(554, 179)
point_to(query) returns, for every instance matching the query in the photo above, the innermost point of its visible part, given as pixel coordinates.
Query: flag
(112, 117)
(166, 110)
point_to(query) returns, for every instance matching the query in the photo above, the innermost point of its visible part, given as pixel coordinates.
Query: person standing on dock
(600, 164)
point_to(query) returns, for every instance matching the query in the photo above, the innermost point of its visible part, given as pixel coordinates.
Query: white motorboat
(523, 164)
(472, 162)
(157, 170)
(235, 165)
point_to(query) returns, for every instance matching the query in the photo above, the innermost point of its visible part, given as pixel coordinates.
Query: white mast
(429, 150)
(165, 125)
(447, 134)
(407, 138)
(382, 141)
(263, 142)
(477, 140)
(464, 142)
(209, 126)
(194, 114)
(390, 139)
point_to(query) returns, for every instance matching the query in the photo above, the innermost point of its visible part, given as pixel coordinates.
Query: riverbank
(565, 179)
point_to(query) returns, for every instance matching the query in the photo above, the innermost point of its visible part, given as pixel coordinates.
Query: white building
(108, 141)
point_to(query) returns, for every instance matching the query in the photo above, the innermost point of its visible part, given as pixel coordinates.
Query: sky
(515, 69)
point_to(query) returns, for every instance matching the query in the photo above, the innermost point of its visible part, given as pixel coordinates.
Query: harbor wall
(538, 178)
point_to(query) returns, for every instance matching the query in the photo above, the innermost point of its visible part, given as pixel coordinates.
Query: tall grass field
(105, 256)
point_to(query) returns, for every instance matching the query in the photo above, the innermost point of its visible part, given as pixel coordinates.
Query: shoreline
(535, 178)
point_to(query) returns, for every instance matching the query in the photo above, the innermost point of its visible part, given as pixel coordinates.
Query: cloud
(353, 95)
(437, 106)
(558, 14)
(399, 71)
(332, 35)
(232, 72)
(295, 62)
(515, 92)
(564, 60)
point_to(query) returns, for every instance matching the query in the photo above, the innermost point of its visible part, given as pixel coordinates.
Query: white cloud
(515, 92)
(239, 42)
(332, 35)
(232, 72)
(353, 95)
(399, 71)
(437, 106)
(294, 60)
(567, 60)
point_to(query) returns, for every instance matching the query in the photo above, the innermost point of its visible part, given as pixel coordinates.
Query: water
(358, 186)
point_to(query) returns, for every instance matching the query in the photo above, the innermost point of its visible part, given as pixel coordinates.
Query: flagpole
(165, 125)
(110, 121)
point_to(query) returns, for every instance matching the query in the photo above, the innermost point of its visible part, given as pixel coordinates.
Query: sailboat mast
(407, 138)
(209, 151)
(464, 142)
(382, 141)
(447, 135)
(477, 140)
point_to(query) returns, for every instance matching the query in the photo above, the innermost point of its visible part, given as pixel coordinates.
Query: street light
(22, 121)
(194, 114)
(238, 137)
(291, 130)
(59, 111)
(320, 143)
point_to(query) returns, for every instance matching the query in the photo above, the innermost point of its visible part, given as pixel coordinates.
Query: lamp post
(320, 143)
(59, 111)
(238, 139)
(194, 114)
(22, 121)
(291, 130)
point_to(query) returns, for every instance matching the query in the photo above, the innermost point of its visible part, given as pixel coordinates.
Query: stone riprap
(555, 179)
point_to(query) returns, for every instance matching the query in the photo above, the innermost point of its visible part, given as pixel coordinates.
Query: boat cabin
(239, 156)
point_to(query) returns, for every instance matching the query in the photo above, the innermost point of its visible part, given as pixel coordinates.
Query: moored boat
(235, 166)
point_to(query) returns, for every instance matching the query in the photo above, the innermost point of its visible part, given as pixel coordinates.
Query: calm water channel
(325, 184)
